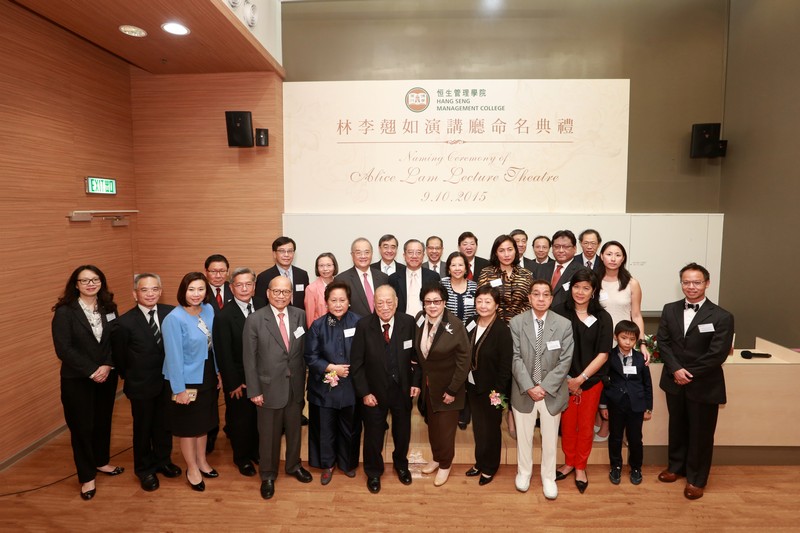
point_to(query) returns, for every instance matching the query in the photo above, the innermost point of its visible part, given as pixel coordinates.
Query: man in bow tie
(694, 339)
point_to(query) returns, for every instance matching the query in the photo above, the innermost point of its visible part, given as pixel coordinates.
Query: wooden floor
(40, 493)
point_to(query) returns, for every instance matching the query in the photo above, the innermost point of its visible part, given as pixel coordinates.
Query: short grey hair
(238, 271)
(143, 275)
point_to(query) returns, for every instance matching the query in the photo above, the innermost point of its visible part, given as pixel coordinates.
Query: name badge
(202, 327)
(469, 300)
(407, 344)
(420, 321)
(603, 296)
(110, 317)
(589, 321)
(349, 332)
(496, 282)
(706, 328)
(553, 345)
(299, 287)
(471, 326)
(566, 286)
(629, 370)
(299, 332)
(470, 378)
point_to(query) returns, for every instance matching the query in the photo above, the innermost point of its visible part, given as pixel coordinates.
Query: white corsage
(448, 328)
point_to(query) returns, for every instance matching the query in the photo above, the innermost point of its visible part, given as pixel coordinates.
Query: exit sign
(100, 185)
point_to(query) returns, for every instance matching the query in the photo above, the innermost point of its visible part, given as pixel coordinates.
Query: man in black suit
(138, 357)
(240, 413)
(694, 340)
(521, 240)
(433, 249)
(387, 248)
(468, 245)
(590, 243)
(410, 281)
(283, 249)
(362, 278)
(217, 274)
(560, 272)
(541, 251)
(383, 363)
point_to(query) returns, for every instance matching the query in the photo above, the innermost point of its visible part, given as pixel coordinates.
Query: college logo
(417, 99)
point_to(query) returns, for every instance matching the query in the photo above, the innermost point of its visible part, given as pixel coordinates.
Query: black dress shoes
(302, 475)
(247, 469)
(560, 475)
(199, 487)
(404, 476)
(374, 485)
(581, 485)
(169, 470)
(485, 480)
(149, 482)
(472, 472)
(268, 489)
(210, 474)
(117, 471)
(88, 495)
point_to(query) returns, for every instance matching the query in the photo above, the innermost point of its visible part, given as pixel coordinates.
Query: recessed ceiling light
(133, 31)
(175, 28)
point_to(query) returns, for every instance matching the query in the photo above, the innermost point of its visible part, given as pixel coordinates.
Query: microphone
(747, 354)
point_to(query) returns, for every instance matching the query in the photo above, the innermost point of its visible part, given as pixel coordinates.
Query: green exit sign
(100, 185)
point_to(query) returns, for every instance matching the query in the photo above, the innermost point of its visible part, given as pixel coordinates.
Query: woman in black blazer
(82, 337)
(490, 370)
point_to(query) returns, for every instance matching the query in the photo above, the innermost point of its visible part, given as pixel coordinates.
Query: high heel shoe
(200, 487)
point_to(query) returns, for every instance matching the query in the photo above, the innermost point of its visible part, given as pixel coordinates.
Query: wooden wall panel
(197, 196)
(64, 113)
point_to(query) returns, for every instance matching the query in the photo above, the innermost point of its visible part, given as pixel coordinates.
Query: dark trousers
(212, 435)
(621, 419)
(441, 433)
(272, 423)
(241, 425)
(152, 441)
(399, 405)
(691, 437)
(486, 420)
(330, 437)
(88, 407)
(465, 415)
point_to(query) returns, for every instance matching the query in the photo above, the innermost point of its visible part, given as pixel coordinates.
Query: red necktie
(386, 333)
(556, 277)
(219, 298)
(369, 293)
(284, 333)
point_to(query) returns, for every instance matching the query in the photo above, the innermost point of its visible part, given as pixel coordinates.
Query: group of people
(556, 340)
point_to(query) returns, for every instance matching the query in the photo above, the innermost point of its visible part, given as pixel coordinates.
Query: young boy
(627, 401)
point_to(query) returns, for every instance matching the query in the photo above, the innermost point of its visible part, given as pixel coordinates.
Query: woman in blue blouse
(190, 368)
(333, 432)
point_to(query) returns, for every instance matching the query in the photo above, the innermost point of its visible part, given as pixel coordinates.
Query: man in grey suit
(543, 345)
(273, 346)
(362, 278)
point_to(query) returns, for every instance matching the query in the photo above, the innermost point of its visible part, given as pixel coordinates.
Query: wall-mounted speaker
(262, 137)
(240, 128)
(706, 142)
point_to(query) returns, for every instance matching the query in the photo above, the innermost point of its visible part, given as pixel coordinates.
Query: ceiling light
(175, 28)
(133, 31)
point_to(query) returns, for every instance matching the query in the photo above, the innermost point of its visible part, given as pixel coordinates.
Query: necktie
(385, 269)
(154, 326)
(695, 307)
(588, 264)
(249, 309)
(436, 268)
(413, 305)
(469, 276)
(219, 298)
(556, 277)
(386, 333)
(537, 360)
(284, 333)
(369, 293)
(291, 297)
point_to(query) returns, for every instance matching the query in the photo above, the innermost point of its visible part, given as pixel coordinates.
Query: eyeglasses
(285, 251)
(434, 303)
(281, 292)
(92, 281)
(693, 283)
(218, 272)
(242, 285)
